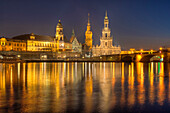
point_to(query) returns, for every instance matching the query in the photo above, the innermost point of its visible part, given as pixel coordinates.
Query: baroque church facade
(106, 47)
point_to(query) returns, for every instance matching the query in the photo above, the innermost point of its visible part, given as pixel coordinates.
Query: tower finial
(106, 14)
(88, 18)
(73, 33)
(59, 20)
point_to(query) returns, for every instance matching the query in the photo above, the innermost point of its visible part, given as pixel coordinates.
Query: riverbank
(59, 60)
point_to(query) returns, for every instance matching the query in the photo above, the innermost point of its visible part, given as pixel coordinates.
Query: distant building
(76, 46)
(106, 47)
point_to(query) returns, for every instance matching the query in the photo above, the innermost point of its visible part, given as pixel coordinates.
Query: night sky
(134, 23)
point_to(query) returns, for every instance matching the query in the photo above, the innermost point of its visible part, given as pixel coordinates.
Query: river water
(85, 87)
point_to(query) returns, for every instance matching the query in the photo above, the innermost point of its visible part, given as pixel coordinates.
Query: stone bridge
(138, 57)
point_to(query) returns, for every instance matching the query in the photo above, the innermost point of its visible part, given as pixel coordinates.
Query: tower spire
(73, 33)
(88, 19)
(106, 15)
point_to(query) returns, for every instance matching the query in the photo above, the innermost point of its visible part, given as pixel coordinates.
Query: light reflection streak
(151, 78)
(89, 90)
(113, 103)
(131, 92)
(141, 89)
(161, 87)
(122, 100)
(19, 70)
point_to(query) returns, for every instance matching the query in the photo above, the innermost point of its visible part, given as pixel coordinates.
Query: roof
(72, 38)
(66, 40)
(37, 37)
(10, 39)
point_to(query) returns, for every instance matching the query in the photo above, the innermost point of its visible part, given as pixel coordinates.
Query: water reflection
(88, 87)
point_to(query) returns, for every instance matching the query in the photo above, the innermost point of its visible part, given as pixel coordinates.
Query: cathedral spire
(73, 33)
(88, 19)
(88, 34)
(106, 15)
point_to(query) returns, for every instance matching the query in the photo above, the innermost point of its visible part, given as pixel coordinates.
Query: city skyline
(142, 24)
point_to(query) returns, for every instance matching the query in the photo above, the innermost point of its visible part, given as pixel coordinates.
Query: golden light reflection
(161, 87)
(89, 90)
(114, 97)
(131, 92)
(106, 83)
(58, 81)
(140, 78)
(2, 80)
(122, 85)
(151, 78)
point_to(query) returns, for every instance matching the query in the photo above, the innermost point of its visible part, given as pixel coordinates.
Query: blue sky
(134, 23)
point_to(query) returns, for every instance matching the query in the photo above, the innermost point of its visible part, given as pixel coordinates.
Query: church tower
(106, 40)
(59, 32)
(59, 36)
(106, 47)
(88, 34)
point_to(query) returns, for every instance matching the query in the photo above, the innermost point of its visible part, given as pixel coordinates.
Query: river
(85, 87)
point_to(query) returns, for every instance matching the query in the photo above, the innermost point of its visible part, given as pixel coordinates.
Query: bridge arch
(147, 58)
(127, 58)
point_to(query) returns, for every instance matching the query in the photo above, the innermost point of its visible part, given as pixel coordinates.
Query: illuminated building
(38, 42)
(60, 35)
(43, 46)
(7, 44)
(62, 43)
(32, 42)
(76, 46)
(88, 35)
(106, 47)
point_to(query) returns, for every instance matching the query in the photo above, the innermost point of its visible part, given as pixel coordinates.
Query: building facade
(7, 44)
(38, 42)
(88, 34)
(106, 47)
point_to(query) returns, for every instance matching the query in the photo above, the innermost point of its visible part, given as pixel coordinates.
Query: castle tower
(59, 32)
(88, 34)
(106, 40)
